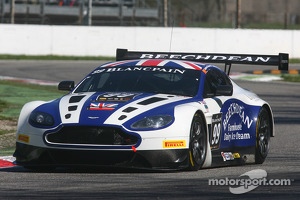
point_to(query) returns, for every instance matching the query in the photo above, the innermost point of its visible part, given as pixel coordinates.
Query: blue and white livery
(150, 110)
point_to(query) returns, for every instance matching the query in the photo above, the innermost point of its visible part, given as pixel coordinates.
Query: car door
(217, 90)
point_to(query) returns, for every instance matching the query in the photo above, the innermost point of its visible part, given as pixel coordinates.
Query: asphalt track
(282, 163)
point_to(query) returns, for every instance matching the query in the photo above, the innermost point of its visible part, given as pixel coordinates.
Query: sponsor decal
(227, 156)
(237, 124)
(206, 57)
(142, 68)
(23, 138)
(236, 155)
(205, 105)
(174, 143)
(116, 96)
(236, 109)
(236, 136)
(235, 127)
(103, 106)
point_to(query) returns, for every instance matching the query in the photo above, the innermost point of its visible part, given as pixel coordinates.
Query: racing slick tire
(263, 133)
(197, 143)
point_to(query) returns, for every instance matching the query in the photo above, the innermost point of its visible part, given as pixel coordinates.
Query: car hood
(113, 108)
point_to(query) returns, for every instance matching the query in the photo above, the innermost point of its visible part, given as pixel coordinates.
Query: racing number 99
(216, 130)
(216, 134)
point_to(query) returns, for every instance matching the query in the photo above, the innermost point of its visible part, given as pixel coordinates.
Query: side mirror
(224, 90)
(66, 85)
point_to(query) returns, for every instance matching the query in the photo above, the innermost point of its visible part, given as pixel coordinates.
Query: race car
(151, 110)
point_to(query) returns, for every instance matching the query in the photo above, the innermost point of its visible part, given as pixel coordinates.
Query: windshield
(142, 79)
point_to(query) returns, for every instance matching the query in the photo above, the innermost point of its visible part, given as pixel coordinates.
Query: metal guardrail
(77, 10)
(66, 10)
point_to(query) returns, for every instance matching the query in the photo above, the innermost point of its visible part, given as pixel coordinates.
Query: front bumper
(28, 156)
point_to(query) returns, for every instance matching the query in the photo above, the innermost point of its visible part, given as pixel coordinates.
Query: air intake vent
(91, 136)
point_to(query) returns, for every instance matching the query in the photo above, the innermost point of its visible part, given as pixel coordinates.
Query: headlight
(41, 118)
(153, 122)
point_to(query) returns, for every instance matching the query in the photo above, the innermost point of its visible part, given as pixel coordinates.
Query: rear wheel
(198, 143)
(263, 133)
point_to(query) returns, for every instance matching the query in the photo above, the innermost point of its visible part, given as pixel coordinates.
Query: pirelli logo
(174, 144)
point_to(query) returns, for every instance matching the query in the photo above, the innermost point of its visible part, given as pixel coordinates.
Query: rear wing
(281, 60)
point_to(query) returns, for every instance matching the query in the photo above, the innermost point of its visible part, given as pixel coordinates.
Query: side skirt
(231, 157)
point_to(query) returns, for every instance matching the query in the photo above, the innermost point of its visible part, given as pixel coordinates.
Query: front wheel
(263, 132)
(197, 143)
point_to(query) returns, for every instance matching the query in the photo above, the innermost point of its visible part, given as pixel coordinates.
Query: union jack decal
(156, 63)
(103, 106)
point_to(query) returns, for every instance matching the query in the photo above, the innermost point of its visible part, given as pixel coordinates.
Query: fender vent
(75, 99)
(151, 100)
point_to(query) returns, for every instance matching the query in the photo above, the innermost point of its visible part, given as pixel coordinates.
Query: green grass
(291, 78)
(294, 60)
(13, 95)
(7, 151)
(4, 131)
